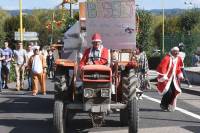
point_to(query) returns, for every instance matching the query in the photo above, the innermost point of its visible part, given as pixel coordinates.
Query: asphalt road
(22, 113)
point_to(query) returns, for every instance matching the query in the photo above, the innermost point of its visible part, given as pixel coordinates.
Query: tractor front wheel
(133, 116)
(124, 117)
(59, 117)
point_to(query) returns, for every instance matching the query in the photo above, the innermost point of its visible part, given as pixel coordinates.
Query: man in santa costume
(97, 54)
(169, 76)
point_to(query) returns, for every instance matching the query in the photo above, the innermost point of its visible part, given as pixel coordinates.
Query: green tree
(11, 25)
(58, 24)
(30, 23)
(189, 19)
(43, 16)
(171, 30)
(143, 36)
(3, 16)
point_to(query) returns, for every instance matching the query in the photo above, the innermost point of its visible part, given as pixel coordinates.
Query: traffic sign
(27, 36)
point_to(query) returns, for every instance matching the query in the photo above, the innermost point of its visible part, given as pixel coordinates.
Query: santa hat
(35, 47)
(175, 49)
(96, 37)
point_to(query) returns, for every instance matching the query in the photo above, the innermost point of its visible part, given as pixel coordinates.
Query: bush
(12, 75)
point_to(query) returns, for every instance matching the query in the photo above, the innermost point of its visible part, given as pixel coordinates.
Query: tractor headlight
(105, 92)
(88, 93)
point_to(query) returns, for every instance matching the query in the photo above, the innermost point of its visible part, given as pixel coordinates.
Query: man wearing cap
(169, 75)
(6, 63)
(97, 54)
(37, 65)
(182, 55)
(20, 62)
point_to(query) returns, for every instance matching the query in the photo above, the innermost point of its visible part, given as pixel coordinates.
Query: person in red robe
(169, 76)
(97, 54)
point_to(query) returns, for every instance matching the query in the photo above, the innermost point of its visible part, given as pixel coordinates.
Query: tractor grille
(104, 76)
(96, 85)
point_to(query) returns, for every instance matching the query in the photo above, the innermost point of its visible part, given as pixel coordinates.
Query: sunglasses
(96, 42)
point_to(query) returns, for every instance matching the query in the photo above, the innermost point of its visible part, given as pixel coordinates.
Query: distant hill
(16, 12)
(26, 11)
(153, 11)
(168, 12)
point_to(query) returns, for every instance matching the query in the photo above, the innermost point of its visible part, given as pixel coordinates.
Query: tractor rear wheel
(129, 85)
(129, 116)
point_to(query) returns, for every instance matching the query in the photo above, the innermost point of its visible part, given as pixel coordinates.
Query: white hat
(181, 44)
(175, 49)
(35, 47)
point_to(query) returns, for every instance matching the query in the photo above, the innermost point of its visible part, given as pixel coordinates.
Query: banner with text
(114, 20)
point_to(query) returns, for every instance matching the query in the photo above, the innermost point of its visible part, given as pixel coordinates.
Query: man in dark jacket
(50, 64)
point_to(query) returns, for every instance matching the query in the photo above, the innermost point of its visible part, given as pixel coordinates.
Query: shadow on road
(26, 105)
(85, 125)
(193, 129)
(193, 92)
(20, 112)
(28, 126)
(26, 114)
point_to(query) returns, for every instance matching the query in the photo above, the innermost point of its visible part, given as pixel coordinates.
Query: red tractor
(102, 90)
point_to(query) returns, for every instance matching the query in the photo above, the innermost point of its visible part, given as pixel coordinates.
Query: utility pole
(71, 2)
(137, 19)
(21, 21)
(71, 11)
(52, 26)
(163, 27)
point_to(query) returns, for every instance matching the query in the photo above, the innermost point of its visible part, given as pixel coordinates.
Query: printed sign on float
(114, 20)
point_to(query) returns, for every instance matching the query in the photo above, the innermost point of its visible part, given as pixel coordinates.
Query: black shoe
(6, 87)
(164, 108)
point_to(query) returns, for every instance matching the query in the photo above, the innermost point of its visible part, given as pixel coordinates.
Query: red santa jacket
(87, 57)
(169, 70)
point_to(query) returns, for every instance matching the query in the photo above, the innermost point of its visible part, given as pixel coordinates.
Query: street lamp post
(52, 26)
(71, 11)
(137, 19)
(163, 27)
(21, 21)
(71, 2)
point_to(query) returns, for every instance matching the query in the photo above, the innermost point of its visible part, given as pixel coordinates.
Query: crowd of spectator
(32, 63)
(196, 58)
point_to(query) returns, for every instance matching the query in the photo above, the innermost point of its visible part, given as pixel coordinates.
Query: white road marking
(177, 108)
(169, 129)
